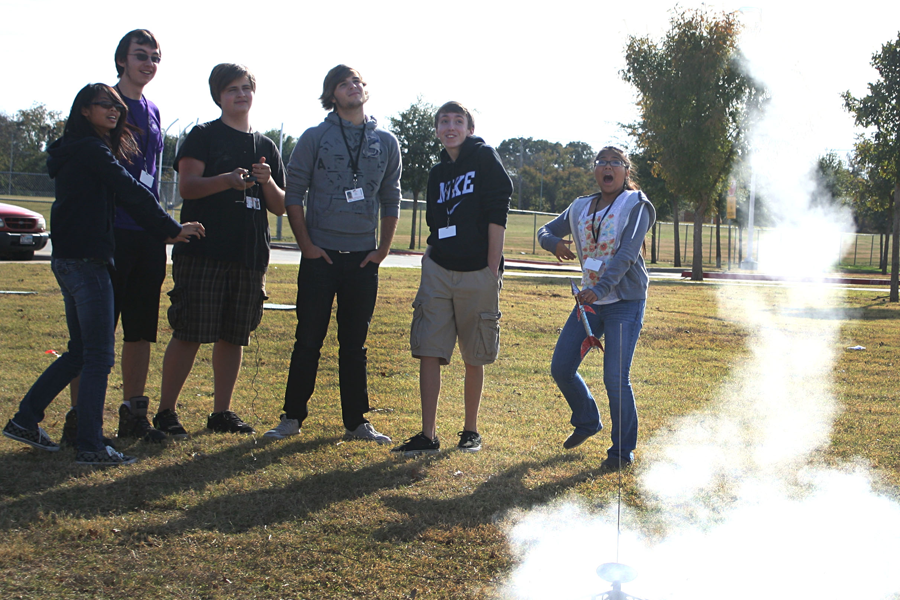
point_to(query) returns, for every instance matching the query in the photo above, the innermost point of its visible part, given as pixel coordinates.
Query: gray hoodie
(320, 169)
(625, 272)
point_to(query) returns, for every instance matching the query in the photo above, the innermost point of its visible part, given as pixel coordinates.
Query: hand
(313, 252)
(262, 171)
(236, 179)
(188, 230)
(586, 296)
(375, 256)
(562, 251)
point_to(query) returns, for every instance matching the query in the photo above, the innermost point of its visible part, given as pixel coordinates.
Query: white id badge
(447, 232)
(354, 195)
(147, 179)
(253, 203)
(593, 264)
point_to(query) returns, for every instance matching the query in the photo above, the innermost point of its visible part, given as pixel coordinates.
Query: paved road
(286, 255)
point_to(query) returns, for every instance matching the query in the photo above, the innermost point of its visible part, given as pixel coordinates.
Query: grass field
(857, 251)
(313, 517)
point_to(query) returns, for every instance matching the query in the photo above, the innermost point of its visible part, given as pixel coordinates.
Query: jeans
(88, 297)
(620, 324)
(356, 290)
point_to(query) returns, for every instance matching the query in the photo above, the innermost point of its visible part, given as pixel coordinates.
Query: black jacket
(89, 183)
(469, 193)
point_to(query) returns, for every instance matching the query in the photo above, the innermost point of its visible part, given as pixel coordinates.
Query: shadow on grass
(130, 492)
(488, 503)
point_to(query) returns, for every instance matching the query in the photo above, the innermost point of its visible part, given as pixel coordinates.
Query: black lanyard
(354, 162)
(596, 226)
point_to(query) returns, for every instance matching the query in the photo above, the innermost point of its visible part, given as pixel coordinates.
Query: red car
(22, 231)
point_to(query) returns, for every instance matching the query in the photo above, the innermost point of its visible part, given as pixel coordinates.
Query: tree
(26, 136)
(419, 150)
(695, 101)
(287, 144)
(880, 111)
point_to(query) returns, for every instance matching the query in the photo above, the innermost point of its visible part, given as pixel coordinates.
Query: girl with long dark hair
(608, 230)
(89, 183)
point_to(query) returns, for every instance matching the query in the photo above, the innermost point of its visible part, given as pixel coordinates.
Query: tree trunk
(412, 232)
(677, 260)
(895, 250)
(697, 259)
(653, 244)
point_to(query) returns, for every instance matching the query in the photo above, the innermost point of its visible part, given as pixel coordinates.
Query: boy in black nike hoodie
(458, 298)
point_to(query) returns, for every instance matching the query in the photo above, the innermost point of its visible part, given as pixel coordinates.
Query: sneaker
(106, 457)
(469, 441)
(574, 440)
(167, 422)
(37, 438)
(70, 431)
(284, 429)
(227, 422)
(419, 444)
(613, 465)
(133, 421)
(368, 433)
(70, 428)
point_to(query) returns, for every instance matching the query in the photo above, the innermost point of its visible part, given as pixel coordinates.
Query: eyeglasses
(142, 56)
(612, 163)
(106, 105)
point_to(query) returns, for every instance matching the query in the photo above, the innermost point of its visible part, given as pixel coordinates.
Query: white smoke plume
(742, 505)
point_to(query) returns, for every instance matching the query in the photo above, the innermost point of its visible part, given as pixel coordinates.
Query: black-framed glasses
(106, 105)
(613, 163)
(142, 56)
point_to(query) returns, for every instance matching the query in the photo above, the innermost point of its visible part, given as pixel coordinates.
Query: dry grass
(312, 517)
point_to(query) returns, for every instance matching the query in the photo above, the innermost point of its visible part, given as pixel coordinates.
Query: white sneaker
(366, 432)
(284, 429)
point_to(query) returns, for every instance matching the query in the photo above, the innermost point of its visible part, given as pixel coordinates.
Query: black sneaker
(70, 431)
(36, 438)
(106, 457)
(133, 421)
(167, 422)
(418, 444)
(613, 465)
(469, 441)
(70, 428)
(227, 422)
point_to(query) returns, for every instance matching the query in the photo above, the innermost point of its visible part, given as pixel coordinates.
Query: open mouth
(608, 179)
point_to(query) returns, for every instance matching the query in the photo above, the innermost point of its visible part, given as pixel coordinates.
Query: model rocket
(591, 341)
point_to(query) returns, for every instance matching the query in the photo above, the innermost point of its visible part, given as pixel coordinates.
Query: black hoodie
(469, 193)
(89, 183)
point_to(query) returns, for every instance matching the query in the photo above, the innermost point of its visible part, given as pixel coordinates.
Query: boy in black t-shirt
(231, 175)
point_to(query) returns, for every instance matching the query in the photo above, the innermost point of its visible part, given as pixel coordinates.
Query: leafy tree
(287, 144)
(548, 175)
(834, 179)
(695, 101)
(419, 151)
(880, 111)
(25, 137)
(873, 195)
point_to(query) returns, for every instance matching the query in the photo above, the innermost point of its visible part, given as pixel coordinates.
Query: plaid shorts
(215, 300)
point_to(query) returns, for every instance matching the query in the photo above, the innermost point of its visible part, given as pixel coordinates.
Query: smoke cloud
(742, 505)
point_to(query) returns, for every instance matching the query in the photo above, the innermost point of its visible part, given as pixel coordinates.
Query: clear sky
(544, 70)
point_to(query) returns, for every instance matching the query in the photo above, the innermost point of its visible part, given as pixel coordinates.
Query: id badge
(253, 203)
(147, 179)
(354, 195)
(447, 232)
(593, 264)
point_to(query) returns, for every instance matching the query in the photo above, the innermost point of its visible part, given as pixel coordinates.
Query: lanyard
(354, 162)
(145, 135)
(596, 226)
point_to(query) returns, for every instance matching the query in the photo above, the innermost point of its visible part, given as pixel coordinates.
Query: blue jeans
(357, 290)
(88, 297)
(620, 325)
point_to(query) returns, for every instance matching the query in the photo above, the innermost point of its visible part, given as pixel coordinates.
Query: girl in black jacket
(89, 182)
